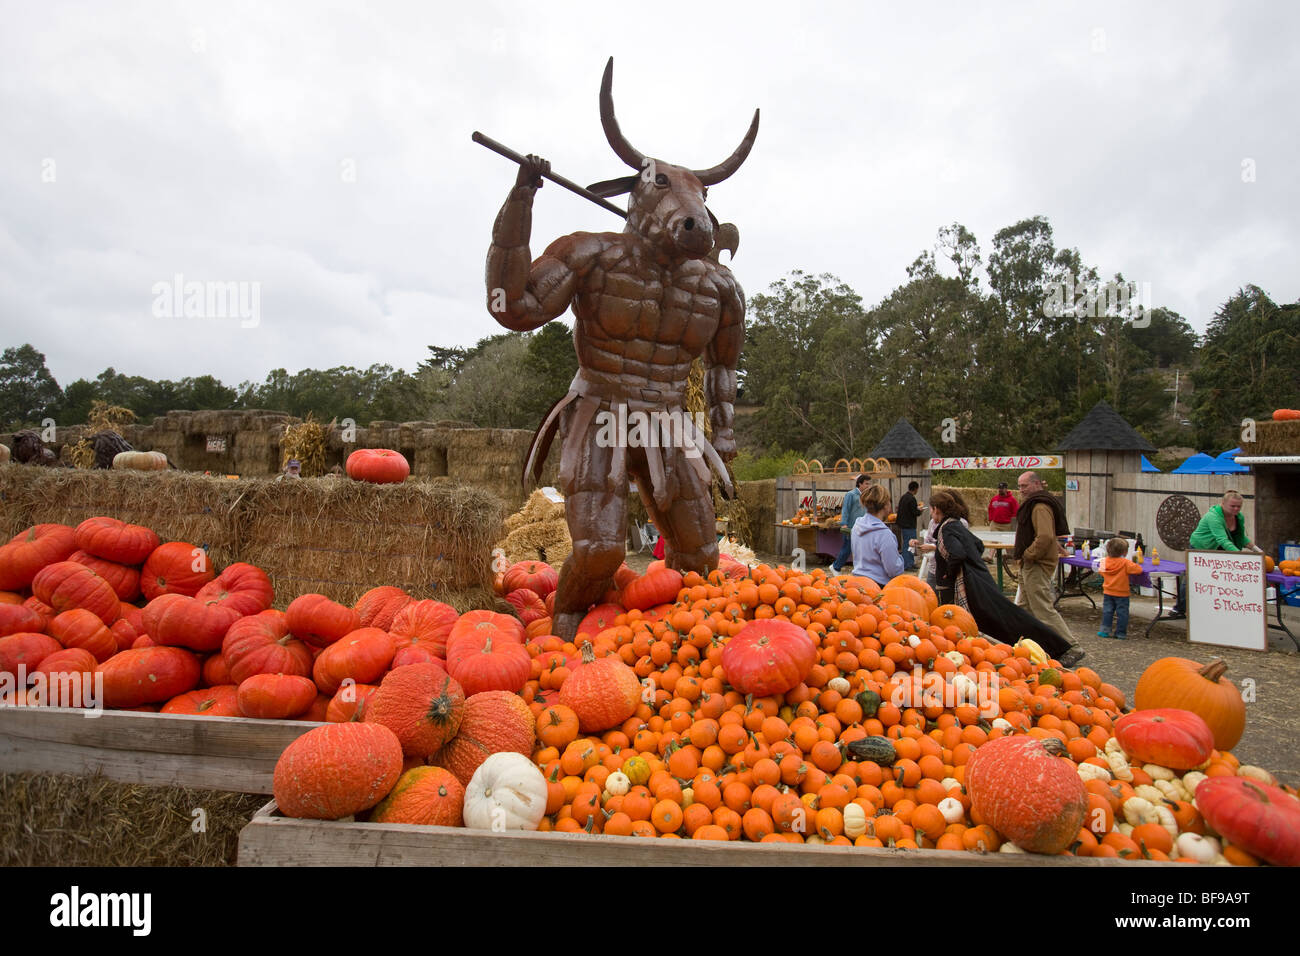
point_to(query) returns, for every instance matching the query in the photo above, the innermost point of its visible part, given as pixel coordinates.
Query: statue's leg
(595, 507)
(689, 522)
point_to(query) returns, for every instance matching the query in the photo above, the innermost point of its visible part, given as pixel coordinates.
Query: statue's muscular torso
(641, 320)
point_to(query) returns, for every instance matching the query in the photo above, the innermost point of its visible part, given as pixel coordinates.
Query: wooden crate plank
(214, 753)
(271, 840)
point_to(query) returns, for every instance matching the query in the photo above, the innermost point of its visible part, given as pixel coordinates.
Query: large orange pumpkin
(1032, 797)
(603, 693)
(920, 587)
(1184, 684)
(421, 704)
(909, 599)
(495, 721)
(337, 770)
(954, 615)
(429, 796)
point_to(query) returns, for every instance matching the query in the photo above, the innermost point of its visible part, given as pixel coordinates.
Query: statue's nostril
(690, 223)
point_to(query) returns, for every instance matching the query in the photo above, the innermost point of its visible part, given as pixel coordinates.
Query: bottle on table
(1137, 555)
(1155, 556)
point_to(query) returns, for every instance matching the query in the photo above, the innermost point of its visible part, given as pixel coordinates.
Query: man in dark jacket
(1042, 521)
(905, 521)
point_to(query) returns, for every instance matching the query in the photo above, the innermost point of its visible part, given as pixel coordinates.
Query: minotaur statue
(647, 302)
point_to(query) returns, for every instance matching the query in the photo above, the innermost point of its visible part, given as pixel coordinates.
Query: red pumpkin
(116, 541)
(26, 650)
(598, 619)
(379, 466)
(175, 568)
(275, 696)
(1286, 414)
(337, 770)
(66, 585)
(180, 621)
(261, 644)
(41, 610)
(215, 672)
(482, 662)
(1033, 798)
(15, 618)
(349, 702)
(659, 585)
(417, 654)
(1177, 739)
(133, 615)
(28, 552)
(363, 655)
(494, 722)
(1261, 819)
(80, 628)
(243, 588)
(537, 576)
(148, 675)
(503, 627)
(603, 693)
(768, 657)
(427, 796)
(317, 711)
(316, 619)
(124, 581)
(421, 704)
(124, 633)
(68, 675)
(218, 701)
(144, 640)
(425, 622)
(378, 607)
(527, 604)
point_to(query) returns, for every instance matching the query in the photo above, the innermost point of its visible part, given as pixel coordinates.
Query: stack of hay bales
(338, 537)
(538, 532)
(179, 507)
(491, 458)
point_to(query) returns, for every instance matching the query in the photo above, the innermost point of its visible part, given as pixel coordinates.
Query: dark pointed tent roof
(902, 441)
(1104, 429)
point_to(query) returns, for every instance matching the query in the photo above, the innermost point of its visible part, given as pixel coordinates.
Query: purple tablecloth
(1143, 579)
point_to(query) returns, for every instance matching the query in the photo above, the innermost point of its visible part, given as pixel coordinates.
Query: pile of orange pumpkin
(758, 704)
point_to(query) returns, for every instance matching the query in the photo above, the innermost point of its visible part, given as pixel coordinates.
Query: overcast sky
(323, 152)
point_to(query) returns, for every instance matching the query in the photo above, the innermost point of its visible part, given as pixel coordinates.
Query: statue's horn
(732, 163)
(625, 150)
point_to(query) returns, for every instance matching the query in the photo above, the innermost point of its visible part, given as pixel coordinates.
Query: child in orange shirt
(1115, 570)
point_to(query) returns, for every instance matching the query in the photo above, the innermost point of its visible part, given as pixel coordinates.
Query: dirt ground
(1272, 738)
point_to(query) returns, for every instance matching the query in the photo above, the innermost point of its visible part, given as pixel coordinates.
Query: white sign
(996, 463)
(1225, 599)
(216, 443)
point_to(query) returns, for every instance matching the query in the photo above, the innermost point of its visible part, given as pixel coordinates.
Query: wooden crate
(273, 840)
(208, 753)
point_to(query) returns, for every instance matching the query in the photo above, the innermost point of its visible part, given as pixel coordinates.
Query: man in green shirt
(1220, 529)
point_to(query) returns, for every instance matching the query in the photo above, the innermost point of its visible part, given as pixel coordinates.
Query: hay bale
(538, 531)
(1274, 438)
(67, 820)
(340, 538)
(178, 506)
(977, 501)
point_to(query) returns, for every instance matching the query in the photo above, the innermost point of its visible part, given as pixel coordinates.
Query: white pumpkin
(507, 792)
(952, 810)
(840, 686)
(4, 454)
(855, 820)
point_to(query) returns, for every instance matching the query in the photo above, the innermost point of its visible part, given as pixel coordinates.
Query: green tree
(1249, 365)
(28, 392)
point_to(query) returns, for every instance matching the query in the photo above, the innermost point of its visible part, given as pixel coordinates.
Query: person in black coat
(964, 579)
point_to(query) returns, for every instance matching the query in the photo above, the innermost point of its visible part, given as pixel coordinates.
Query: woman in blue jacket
(875, 549)
(850, 512)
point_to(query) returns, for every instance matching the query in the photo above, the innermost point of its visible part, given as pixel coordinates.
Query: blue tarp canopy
(1224, 465)
(1147, 466)
(1195, 465)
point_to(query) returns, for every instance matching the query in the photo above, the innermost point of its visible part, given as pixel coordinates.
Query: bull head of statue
(666, 205)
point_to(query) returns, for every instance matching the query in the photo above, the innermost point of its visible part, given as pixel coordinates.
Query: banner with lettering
(996, 463)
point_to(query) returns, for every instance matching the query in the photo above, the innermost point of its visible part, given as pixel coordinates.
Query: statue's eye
(661, 180)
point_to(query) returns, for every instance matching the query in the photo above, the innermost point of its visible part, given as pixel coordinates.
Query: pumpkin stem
(588, 654)
(1054, 747)
(1214, 670)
